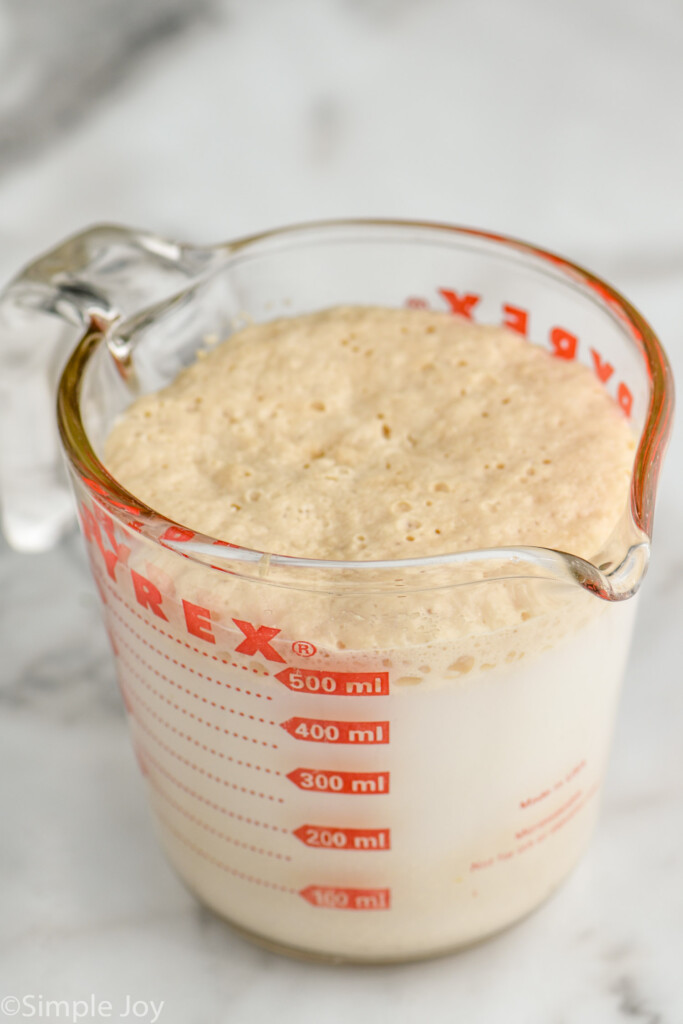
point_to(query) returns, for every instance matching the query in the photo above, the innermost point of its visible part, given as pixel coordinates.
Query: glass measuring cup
(326, 771)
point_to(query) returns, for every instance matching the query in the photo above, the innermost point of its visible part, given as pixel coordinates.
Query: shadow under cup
(367, 761)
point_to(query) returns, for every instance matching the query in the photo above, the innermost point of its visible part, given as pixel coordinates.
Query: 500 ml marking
(332, 898)
(339, 684)
(322, 780)
(327, 837)
(320, 730)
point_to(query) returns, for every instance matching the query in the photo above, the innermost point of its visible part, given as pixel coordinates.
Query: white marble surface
(556, 122)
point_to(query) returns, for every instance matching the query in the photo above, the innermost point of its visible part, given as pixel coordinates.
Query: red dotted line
(261, 670)
(197, 743)
(222, 865)
(148, 758)
(190, 714)
(202, 771)
(180, 664)
(214, 831)
(188, 691)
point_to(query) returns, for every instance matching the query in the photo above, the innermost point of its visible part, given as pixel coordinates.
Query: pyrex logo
(563, 344)
(257, 640)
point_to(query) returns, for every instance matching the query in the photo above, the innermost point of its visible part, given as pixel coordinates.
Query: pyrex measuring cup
(368, 761)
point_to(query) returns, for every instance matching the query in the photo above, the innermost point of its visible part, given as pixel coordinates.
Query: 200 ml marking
(327, 837)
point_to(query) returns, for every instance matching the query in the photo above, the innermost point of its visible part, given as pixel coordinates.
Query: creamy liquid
(367, 433)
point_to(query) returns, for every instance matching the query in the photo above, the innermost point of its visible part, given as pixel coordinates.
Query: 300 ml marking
(322, 780)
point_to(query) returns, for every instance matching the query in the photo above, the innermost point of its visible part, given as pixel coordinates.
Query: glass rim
(191, 543)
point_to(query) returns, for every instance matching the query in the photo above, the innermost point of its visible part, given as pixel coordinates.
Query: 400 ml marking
(338, 684)
(323, 780)
(329, 837)
(320, 730)
(332, 898)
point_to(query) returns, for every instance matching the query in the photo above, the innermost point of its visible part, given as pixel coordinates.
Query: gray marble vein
(53, 69)
(632, 1005)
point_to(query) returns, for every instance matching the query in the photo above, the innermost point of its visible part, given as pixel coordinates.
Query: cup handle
(97, 277)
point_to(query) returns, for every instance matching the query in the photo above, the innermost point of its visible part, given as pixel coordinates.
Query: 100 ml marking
(332, 898)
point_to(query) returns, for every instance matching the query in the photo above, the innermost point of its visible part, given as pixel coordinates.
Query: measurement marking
(339, 684)
(181, 664)
(221, 864)
(323, 780)
(332, 837)
(319, 730)
(190, 714)
(214, 831)
(333, 898)
(261, 670)
(191, 739)
(210, 803)
(190, 692)
(199, 769)
(530, 801)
